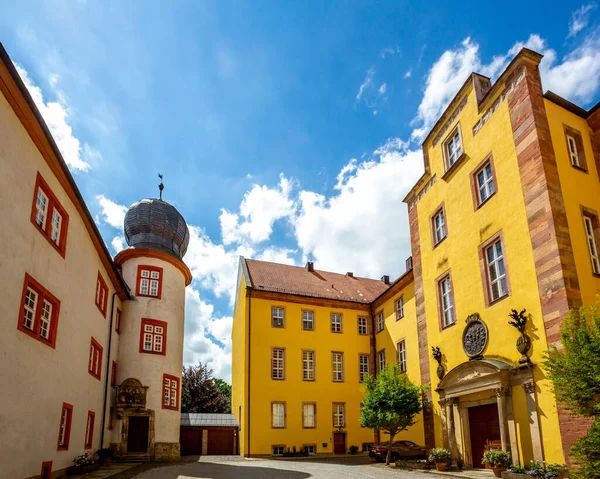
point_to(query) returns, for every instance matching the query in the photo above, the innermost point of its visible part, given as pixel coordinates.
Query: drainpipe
(249, 357)
(107, 378)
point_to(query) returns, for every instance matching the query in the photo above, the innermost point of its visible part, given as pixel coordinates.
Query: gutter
(249, 293)
(107, 379)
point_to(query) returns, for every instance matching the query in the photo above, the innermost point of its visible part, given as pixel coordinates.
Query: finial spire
(161, 187)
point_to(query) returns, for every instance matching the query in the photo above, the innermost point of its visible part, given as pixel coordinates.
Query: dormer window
(453, 148)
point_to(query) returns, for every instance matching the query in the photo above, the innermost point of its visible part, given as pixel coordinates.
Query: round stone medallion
(475, 337)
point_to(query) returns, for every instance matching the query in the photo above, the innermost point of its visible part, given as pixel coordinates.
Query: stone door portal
(137, 436)
(485, 430)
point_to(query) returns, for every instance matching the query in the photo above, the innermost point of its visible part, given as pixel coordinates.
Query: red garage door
(220, 442)
(191, 441)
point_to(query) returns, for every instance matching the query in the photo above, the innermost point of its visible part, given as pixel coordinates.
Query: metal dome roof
(154, 224)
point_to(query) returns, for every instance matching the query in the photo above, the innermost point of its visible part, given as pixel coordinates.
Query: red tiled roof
(282, 278)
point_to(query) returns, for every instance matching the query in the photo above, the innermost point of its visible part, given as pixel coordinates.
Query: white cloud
(113, 213)
(382, 89)
(580, 19)
(277, 255)
(56, 116)
(118, 243)
(260, 208)
(408, 73)
(366, 83)
(389, 51)
(371, 95)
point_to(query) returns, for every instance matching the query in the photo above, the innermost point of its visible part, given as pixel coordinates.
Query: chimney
(409, 265)
(310, 266)
(350, 274)
(386, 279)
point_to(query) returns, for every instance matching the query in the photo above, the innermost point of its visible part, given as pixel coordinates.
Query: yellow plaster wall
(293, 390)
(239, 376)
(579, 189)
(459, 252)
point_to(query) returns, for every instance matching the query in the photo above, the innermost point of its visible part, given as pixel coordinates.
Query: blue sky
(285, 131)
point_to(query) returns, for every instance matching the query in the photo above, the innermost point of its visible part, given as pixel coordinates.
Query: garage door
(220, 442)
(191, 441)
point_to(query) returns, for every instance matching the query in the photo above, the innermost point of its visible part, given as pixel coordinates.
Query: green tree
(391, 403)
(575, 373)
(200, 393)
(226, 390)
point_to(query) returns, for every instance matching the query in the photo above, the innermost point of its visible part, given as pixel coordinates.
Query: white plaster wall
(149, 368)
(35, 378)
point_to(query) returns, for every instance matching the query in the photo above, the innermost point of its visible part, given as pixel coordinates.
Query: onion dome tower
(151, 330)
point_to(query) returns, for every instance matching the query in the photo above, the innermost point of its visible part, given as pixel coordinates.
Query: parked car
(400, 450)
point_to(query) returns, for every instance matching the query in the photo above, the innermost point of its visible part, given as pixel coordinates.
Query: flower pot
(440, 372)
(498, 471)
(84, 469)
(441, 466)
(523, 346)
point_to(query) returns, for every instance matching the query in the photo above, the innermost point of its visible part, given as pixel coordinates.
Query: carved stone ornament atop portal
(131, 394)
(475, 337)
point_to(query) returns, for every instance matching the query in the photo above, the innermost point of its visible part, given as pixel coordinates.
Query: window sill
(439, 242)
(480, 205)
(450, 171)
(147, 296)
(448, 326)
(580, 168)
(398, 319)
(497, 300)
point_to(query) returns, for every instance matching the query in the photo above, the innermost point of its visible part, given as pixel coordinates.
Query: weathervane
(161, 187)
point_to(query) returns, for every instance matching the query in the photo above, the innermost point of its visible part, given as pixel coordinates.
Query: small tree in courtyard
(391, 403)
(200, 393)
(575, 372)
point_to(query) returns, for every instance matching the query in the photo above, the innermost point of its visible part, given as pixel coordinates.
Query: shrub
(84, 459)
(497, 458)
(439, 454)
(353, 449)
(586, 453)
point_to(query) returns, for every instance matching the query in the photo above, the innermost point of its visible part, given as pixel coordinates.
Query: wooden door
(339, 443)
(485, 427)
(190, 440)
(220, 442)
(137, 434)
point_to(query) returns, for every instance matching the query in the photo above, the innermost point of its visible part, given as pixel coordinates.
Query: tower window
(149, 281)
(48, 216)
(95, 362)
(38, 315)
(153, 336)
(64, 430)
(170, 392)
(101, 298)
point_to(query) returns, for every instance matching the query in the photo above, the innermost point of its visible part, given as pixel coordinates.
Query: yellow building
(505, 217)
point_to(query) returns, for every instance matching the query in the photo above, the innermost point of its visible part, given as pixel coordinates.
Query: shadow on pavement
(341, 460)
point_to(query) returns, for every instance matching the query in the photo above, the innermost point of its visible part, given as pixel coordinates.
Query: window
(95, 363)
(38, 315)
(339, 416)
(401, 350)
(278, 414)
(336, 323)
(46, 470)
(308, 320)
(48, 216)
(575, 148)
(362, 326)
(366, 446)
(111, 417)
(363, 366)
(496, 273)
(446, 297)
(153, 337)
(89, 430)
(483, 180)
(381, 360)
(277, 363)
(113, 374)
(310, 449)
(380, 321)
(170, 392)
(277, 450)
(309, 411)
(118, 322)
(149, 281)
(400, 308)
(64, 429)
(438, 225)
(278, 315)
(453, 148)
(590, 222)
(308, 365)
(337, 366)
(101, 294)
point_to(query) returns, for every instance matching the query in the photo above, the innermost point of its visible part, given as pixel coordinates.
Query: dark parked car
(400, 450)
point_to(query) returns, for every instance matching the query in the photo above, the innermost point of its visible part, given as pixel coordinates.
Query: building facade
(505, 217)
(92, 347)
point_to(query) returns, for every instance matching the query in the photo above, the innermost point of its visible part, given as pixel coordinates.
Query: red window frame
(111, 415)
(118, 322)
(168, 391)
(36, 326)
(66, 417)
(101, 297)
(154, 323)
(113, 374)
(95, 360)
(150, 270)
(46, 470)
(89, 429)
(53, 205)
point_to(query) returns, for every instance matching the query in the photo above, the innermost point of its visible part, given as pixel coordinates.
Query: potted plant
(498, 460)
(104, 455)
(83, 464)
(441, 457)
(353, 449)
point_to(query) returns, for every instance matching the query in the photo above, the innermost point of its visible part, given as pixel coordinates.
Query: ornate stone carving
(453, 401)
(437, 355)
(519, 322)
(131, 394)
(529, 387)
(475, 337)
(503, 391)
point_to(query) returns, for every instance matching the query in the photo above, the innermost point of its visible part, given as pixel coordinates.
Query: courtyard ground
(224, 467)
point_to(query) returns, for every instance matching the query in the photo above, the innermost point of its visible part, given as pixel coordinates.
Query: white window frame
(592, 244)
(154, 338)
(64, 421)
(278, 363)
(380, 321)
(306, 423)
(447, 301)
(400, 308)
(30, 307)
(439, 226)
(486, 187)
(56, 226)
(339, 415)
(42, 204)
(363, 366)
(308, 365)
(278, 317)
(336, 322)
(310, 449)
(337, 366)
(381, 360)
(277, 415)
(46, 319)
(308, 318)
(495, 265)
(401, 351)
(573, 153)
(454, 140)
(275, 450)
(363, 325)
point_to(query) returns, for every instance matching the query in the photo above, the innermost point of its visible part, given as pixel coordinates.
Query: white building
(91, 349)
